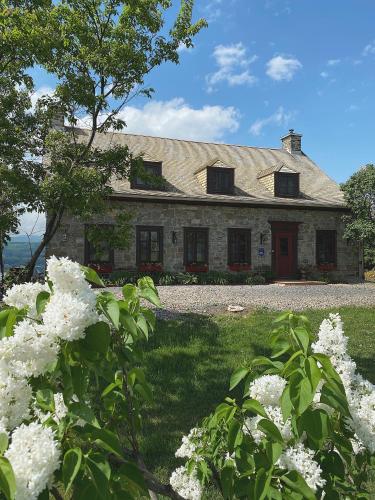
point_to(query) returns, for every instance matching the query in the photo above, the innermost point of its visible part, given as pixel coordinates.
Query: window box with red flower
(196, 268)
(101, 267)
(151, 267)
(239, 266)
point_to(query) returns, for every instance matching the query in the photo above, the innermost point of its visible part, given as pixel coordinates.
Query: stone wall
(69, 241)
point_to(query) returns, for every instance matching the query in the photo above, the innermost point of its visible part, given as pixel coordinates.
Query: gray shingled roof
(182, 159)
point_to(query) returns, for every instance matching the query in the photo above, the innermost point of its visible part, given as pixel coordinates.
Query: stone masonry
(173, 217)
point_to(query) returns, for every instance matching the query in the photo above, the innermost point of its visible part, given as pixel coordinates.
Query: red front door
(285, 254)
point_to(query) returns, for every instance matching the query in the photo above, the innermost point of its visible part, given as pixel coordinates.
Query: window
(326, 248)
(286, 185)
(239, 246)
(196, 245)
(98, 251)
(149, 245)
(150, 178)
(220, 180)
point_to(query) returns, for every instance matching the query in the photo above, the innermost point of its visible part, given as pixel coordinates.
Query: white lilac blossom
(30, 351)
(188, 447)
(15, 396)
(275, 415)
(66, 276)
(302, 460)
(34, 455)
(360, 393)
(67, 316)
(24, 295)
(60, 407)
(267, 389)
(185, 484)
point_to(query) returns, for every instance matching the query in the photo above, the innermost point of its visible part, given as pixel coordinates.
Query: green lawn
(189, 363)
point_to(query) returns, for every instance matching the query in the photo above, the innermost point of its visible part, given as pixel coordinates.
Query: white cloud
(212, 10)
(32, 223)
(40, 92)
(176, 119)
(333, 62)
(282, 68)
(369, 49)
(324, 74)
(353, 107)
(279, 118)
(233, 62)
(182, 48)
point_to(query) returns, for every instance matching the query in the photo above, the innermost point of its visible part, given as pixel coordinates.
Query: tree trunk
(2, 272)
(51, 229)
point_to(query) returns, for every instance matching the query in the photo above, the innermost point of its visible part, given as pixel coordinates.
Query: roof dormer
(216, 178)
(281, 180)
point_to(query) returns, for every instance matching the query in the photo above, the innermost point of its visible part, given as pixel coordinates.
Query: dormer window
(150, 177)
(286, 185)
(220, 180)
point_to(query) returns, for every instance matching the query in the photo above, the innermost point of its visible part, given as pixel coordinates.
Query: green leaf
(237, 376)
(255, 407)
(226, 481)
(133, 476)
(144, 391)
(262, 483)
(142, 325)
(317, 425)
(151, 296)
(128, 322)
(92, 277)
(3, 442)
(41, 301)
(113, 312)
(313, 372)
(129, 292)
(98, 337)
(273, 451)
(296, 483)
(302, 337)
(7, 479)
(234, 434)
(4, 317)
(71, 465)
(286, 403)
(84, 412)
(100, 472)
(270, 429)
(8, 320)
(282, 317)
(106, 440)
(45, 399)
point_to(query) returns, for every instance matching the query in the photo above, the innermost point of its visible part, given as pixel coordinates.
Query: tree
(359, 192)
(101, 52)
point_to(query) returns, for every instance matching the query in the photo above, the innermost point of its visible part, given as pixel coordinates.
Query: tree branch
(152, 482)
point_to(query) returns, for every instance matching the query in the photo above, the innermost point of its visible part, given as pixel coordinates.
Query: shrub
(187, 279)
(167, 279)
(214, 278)
(255, 279)
(305, 428)
(71, 387)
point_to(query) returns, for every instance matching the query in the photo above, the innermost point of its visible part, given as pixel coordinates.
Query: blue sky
(264, 66)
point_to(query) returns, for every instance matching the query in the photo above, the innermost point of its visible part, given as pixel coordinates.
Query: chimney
(292, 142)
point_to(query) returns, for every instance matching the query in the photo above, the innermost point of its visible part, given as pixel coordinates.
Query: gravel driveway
(210, 299)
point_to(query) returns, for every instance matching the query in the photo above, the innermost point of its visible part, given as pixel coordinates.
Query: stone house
(221, 207)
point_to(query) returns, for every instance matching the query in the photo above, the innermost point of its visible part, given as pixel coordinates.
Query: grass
(189, 362)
